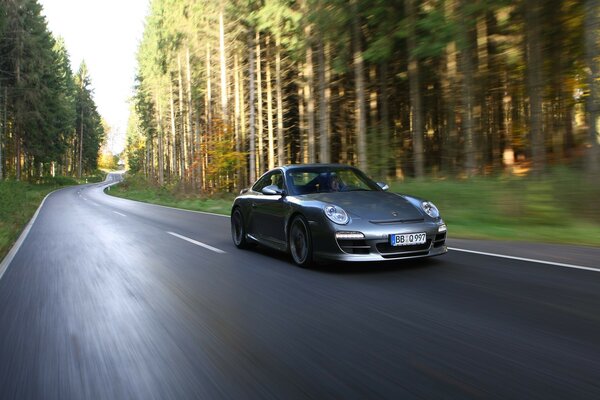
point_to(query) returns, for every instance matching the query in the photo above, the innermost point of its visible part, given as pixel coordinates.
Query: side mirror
(383, 185)
(272, 190)
(244, 191)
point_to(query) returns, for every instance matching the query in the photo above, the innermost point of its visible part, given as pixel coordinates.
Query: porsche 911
(334, 212)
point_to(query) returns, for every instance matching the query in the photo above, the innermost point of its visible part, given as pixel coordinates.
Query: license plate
(408, 239)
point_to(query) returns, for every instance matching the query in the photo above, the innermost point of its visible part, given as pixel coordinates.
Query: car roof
(291, 167)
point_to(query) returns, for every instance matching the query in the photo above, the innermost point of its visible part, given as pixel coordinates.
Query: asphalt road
(102, 302)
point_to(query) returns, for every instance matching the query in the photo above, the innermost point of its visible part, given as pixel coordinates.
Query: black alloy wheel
(238, 231)
(301, 242)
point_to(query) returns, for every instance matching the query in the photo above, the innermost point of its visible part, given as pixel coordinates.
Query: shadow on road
(356, 267)
(372, 268)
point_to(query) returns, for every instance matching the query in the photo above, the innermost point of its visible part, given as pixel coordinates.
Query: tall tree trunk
(467, 70)
(535, 84)
(448, 91)
(302, 153)
(359, 76)
(3, 133)
(261, 159)
(482, 106)
(415, 91)
(223, 70)
(309, 98)
(208, 117)
(252, 105)
(592, 37)
(236, 103)
(194, 148)
(243, 132)
(174, 160)
(18, 112)
(182, 136)
(345, 124)
(279, 95)
(79, 170)
(270, 132)
(161, 165)
(324, 105)
(387, 160)
(374, 137)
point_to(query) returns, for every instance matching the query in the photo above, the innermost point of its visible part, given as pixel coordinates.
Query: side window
(274, 178)
(262, 182)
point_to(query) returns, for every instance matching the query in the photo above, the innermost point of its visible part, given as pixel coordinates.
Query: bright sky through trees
(104, 33)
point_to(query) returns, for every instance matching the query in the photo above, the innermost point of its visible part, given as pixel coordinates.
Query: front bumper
(376, 246)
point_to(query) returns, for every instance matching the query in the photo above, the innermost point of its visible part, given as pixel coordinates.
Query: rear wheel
(301, 242)
(238, 230)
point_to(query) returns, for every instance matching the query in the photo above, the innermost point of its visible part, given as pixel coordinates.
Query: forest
(49, 123)
(400, 88)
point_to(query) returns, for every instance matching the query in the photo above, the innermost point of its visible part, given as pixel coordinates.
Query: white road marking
(197, 243)
(526, 259)
(118, 213)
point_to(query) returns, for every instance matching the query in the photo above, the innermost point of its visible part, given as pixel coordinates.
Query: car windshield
(328, 180)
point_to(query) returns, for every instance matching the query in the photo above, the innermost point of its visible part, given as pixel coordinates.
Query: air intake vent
(354, 246)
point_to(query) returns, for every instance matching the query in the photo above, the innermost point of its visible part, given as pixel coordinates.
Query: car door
(269, 212)
(255, 223)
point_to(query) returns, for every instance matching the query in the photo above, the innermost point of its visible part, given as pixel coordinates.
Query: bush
(57, 181)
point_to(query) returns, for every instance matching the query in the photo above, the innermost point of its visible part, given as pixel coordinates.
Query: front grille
(386, 248)
(354, 246)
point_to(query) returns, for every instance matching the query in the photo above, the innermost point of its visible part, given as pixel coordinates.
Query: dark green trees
(40, 99)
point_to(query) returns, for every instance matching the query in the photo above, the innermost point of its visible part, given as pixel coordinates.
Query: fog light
(442, 228)
(349, 235)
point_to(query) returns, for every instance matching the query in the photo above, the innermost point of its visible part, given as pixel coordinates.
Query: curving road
(113, 299)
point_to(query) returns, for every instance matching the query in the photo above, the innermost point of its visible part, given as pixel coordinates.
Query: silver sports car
(334, 212)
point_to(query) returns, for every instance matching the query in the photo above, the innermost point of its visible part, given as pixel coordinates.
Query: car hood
(378, 207)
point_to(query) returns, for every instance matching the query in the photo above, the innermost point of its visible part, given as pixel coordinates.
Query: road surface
(113, 299)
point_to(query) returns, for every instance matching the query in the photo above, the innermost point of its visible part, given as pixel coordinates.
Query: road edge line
(15, 248)
(533, 260)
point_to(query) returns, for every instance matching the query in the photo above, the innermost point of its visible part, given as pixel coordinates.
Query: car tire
(300, 242)
(238, 230)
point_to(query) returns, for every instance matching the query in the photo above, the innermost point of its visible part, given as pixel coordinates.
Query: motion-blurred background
(488, 107)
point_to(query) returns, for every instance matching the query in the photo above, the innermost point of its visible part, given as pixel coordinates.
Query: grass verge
(137, 188)
(18, 202)
(561, 208)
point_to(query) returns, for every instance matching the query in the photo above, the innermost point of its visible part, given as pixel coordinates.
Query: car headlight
(336, 214)
(430, 209)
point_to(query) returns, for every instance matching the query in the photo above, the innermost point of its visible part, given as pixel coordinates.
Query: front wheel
(238, 230)
(301, 242)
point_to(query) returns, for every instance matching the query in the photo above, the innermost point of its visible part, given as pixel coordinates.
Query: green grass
(561, 208)
(137, 188)
(18, 202)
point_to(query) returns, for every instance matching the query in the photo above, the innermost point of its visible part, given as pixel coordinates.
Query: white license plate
(408, 239)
